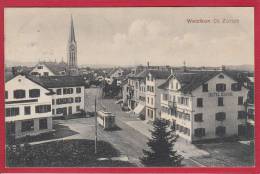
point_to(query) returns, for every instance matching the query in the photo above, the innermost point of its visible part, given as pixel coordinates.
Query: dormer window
(221, 76)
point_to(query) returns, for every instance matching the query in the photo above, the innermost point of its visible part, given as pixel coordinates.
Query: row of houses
(200, 104)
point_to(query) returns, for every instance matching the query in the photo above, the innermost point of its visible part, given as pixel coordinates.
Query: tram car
(106, 119)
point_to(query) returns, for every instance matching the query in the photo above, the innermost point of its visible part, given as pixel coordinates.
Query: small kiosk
(106, 119)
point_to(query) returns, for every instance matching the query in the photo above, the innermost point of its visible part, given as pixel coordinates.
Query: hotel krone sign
(220, 94)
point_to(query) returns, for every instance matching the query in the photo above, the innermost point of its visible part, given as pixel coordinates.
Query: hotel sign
(220, 94)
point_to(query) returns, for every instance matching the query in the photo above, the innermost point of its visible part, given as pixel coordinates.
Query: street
(132, 135)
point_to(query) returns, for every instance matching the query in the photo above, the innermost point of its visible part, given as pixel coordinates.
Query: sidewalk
(185, 148)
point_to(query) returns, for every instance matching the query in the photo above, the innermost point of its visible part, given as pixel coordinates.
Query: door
(70, 110)
(64, 111)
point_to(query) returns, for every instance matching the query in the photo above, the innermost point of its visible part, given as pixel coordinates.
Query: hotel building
(204, 104)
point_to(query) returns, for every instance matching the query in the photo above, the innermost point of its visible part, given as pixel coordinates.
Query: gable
(44, 69)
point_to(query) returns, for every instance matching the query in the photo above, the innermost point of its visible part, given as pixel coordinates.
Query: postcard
(135, 87)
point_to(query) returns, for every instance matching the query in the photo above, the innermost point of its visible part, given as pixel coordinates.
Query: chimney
(148, 64)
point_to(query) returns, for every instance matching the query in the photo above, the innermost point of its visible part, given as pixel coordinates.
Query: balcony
(172, 104)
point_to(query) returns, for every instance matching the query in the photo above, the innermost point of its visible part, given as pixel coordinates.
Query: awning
(138, 109)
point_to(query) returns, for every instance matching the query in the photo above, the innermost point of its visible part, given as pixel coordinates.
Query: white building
(154, 79)
(49, 69)
(31, 102)
(204, 105)
(69, 94)
(27, 107)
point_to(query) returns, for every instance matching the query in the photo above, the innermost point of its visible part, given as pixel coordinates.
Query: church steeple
(72, 49)
(72, 33)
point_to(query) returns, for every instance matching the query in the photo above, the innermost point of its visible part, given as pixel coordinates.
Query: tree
(161, 145)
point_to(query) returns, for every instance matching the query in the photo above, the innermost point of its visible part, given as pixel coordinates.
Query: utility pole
(95, 125)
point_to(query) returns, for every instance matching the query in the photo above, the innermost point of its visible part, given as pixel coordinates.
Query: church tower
(72, 50)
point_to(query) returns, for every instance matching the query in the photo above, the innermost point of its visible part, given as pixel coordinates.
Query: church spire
(72, 33)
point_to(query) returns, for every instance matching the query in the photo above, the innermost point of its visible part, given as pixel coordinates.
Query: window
(199, 132)
(220, 131)
(152, 101)
(177, 87)
(77, 99)
(6, 94)
(27, 110)
(220, 101)
(78, 90)
(60, 101)
(240, 100)
(148, 100)
(40, 67)
(78, 108)
(43, 123)
(221, 76)
(220, 87)
(11, 112)
(27, 125)
(199, 102)
(251, 113)
(42, 108)
(58, 91)
(33, 93)
(198, 117)
(236, 87)
(165, 97)
(205, 88)
(19, 93)
(220, 116)
(46, 74)
(53, 111)
(67, 90)
(53, 102)
(241, 115)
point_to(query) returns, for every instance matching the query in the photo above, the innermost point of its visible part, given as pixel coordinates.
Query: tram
(106, 119)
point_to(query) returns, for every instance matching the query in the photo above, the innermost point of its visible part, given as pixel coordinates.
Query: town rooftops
(140, 75)
(159, 74)
(190, 80)
(58, 81)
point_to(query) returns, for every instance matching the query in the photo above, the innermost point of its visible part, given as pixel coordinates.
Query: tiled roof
(192, 79)
(160, 74)
(59, 81)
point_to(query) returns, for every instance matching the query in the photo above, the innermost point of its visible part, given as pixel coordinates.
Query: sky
(132, 36)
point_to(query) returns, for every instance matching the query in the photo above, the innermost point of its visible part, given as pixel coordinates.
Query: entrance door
(64, 111)
(70, 110)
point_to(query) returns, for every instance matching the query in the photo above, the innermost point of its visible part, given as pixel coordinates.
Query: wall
(210, 107)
